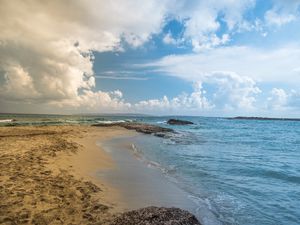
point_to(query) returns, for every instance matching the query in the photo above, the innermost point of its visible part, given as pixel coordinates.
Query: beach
(47, 175)
(55, 175)
(106, 170)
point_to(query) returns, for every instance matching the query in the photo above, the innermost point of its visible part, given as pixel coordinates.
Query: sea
(242, 171)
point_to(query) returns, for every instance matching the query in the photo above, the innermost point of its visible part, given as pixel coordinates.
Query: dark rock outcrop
(263, 118)
(141, 127)
(156, 216)
(179, 122)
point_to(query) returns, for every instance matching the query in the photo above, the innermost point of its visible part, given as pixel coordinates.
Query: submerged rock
(179, 122)
(156, 216)
(141, 127)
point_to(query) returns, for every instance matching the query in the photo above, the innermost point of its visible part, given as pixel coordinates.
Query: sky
(158, 57)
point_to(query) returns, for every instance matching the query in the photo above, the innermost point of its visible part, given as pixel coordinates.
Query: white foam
(72, 121)
(110, 121)
(6, 121)
(151, 164)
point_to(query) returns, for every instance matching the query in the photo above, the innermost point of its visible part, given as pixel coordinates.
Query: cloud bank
(46, 47)
(275, 65)
(235, 74)
(46, 53)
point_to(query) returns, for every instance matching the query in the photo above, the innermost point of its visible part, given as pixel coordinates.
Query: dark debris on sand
(156, 216)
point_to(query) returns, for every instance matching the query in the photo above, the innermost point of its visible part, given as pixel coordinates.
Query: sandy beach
(48, 175)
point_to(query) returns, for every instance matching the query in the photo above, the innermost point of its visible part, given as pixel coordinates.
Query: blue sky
(219, 58)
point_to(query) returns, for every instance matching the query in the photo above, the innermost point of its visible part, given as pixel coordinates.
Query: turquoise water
(243, 171)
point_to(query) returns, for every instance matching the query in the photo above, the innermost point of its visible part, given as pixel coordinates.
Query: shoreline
(141, 182)
(48, 174)
(91, 159)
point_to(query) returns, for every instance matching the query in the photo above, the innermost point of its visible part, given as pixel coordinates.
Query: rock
(263, 118)
(156, 216)
(141, 127)
(179, 122)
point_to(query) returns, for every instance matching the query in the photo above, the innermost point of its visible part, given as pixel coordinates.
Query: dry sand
(47, 175)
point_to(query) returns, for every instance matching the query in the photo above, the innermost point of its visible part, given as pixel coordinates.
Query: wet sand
(144, 183)
(141, 183)
(47, 175)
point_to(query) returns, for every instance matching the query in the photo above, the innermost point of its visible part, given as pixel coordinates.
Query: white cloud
(278, 99)
(168, 39)
(233, 91)
(89, 101)
(45, 47)
(282, 12)
(46, 50)
(273, 18)
(203, 20)
(196, 103)
(283, 100)
(233, 73)
(275, 65)
(207, 42)
(56, 70)
(18, 84)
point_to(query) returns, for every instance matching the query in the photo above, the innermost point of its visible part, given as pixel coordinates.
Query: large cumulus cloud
(46, 47)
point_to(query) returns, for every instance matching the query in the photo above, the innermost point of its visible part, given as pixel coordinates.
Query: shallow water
(141, 184)
(241, 171)
(245, 171)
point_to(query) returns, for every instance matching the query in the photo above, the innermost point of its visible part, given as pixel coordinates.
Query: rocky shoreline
(141, 128)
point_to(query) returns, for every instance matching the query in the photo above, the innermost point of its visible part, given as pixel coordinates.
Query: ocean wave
(136, 152)
(7, 120)
(205, 210)
(183, 138)
(162, 122)
(111, 121)
(151, 164)
(73, 121)
(169, 142)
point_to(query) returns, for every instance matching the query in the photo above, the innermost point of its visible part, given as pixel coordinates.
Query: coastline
(91, 158)
(140, 182)
(48, 174)
(143, 182)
